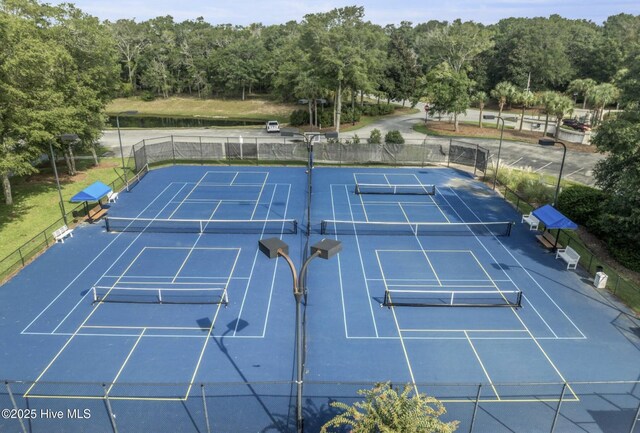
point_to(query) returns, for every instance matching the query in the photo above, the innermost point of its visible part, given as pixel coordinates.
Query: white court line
(126, 360)
(133, 241)
(394, 202)
(460, 330)
(364, 273)
(546, 165)
(526, 271)
(441, 211)
(404, 350)
(444, 286)
(344, 306)
(430, 279)
(537, 343)
(259, 196)
(191, 192)
(486, 373)
(206, 342)
(186, 259)
(90, 263)
(234, 178)
(253, 265)
(426, 256)
(167, 277)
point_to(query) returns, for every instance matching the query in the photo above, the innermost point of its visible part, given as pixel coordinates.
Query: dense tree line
(58, 69)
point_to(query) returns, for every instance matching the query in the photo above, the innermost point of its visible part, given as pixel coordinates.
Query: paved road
(578, 165)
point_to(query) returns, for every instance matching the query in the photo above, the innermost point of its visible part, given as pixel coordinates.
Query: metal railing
(611, 406)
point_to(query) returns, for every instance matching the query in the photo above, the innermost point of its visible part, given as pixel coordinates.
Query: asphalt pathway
(540, 159)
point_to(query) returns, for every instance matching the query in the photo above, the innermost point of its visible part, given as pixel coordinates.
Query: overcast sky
(382, 12)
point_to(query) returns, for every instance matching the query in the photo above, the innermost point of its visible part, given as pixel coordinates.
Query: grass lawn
(253, 108)
(471, 130)
(36, 202)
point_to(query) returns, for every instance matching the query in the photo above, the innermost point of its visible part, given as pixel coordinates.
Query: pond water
(178, 122)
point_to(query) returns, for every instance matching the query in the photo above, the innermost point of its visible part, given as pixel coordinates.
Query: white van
(273, 126)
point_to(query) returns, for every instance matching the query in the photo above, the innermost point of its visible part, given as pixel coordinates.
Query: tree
(527, 99)
(448, 91)
(456, 44)
(560, 106)
(547, 99)
(385, 409)
(503, 93)
(401, 70)
(131, 41)
(481, 99)
(601, 96)
(582, 87)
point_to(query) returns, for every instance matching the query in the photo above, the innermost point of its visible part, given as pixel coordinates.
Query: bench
(62, 233)
(570, 256)
(531, 220)
(96, 213)
(112, 196)
(547, 239)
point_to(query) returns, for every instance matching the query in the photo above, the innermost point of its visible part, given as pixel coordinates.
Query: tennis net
(383, 228)
(147, 295)
(273, 226)
(372, 188)
(452, 298)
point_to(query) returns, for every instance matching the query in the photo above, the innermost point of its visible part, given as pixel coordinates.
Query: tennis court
(169, 309)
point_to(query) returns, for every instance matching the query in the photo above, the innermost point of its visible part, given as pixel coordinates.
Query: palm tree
(480, 98)
(547, 101)
(386, 410)
(560, 107)
(583, 88)
(602, 95)
(527, 99)
(503, 92)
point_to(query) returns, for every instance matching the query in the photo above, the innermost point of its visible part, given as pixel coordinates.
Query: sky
(243, 12)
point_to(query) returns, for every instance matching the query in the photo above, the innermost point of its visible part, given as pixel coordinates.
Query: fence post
(555, 417)
(615, 289)
(144, 149)
(201, 150)
(635, 420)
(21, 258)
(590, 261)
(204, 404)
(173, 149)
(449, 153)
(475, 408)
(257, 152)
(112, 417)
(15, 406)
(475, 161)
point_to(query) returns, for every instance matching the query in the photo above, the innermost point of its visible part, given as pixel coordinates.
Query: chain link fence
(607, 407)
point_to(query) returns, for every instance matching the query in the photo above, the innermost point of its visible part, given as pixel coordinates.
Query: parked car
(273, 126)
(577, 125)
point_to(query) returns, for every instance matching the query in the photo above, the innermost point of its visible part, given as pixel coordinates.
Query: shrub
(325, 118)
(355, 139)
(148, 96)
(581, 203)
(299, 118)
(394, 137)
(375, 137)
(378, 109)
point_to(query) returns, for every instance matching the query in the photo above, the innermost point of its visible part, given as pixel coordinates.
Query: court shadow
(204, 324)
(613, 421)
(500, 266)
(315, 414)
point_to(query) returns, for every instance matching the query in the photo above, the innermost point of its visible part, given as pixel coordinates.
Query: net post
(557, 414)
(112, 417)
(160, 296)
(386, 302)
(204, 406)
(15, 406)
(106, 223)
(323, 227)
(475, 408)
(519, 299)
(95, 294)
(452, 297)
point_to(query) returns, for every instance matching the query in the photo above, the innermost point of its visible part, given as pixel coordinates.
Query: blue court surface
(199, 335)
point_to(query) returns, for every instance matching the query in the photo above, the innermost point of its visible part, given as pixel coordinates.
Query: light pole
(63, 138)
(325, 249)
(551, 142)
(124, 170)
(308, 140)
(489, 117)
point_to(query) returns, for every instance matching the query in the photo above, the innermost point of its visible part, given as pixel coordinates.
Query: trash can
(600, 280)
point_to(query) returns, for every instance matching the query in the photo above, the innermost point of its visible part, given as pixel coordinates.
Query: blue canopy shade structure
(93, 192)
(553, 219)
